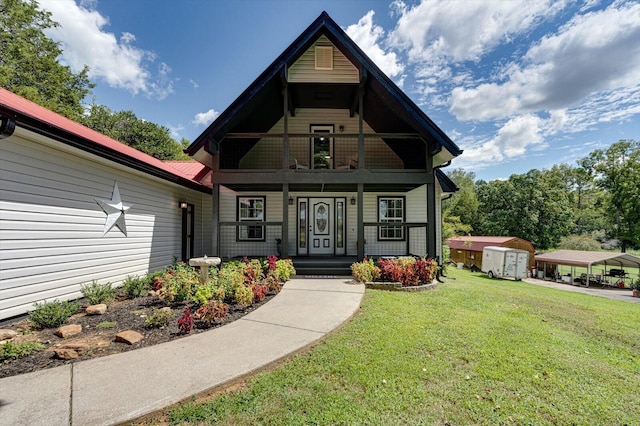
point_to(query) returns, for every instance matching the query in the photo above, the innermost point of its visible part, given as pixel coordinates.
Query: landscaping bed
(158, 314)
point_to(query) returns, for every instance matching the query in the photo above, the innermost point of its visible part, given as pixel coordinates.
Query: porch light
(290, 201)
(353, 201)
(183, 204)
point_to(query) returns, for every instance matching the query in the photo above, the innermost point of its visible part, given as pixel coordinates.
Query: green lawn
(475, 351)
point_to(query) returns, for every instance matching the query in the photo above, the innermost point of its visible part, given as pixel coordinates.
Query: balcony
(322, 152)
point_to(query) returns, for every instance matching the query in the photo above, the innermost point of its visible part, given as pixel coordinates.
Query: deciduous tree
(617, 171)
(29, 63)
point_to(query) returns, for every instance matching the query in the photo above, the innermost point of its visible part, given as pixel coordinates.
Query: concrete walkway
(122, 387)
(594, 290)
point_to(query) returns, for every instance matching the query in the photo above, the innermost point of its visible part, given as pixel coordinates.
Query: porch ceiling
(320, 188)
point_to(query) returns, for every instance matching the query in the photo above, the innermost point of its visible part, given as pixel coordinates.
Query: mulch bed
(127, 314)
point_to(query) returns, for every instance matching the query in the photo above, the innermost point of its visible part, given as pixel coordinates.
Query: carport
(613, 271)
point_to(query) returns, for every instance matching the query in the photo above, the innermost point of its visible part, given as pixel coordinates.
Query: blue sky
(516, 84)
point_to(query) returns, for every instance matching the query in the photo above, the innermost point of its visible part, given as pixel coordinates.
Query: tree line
(30, 67)
(590, 206)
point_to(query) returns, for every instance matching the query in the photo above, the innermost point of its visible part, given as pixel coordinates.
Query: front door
(321, 226)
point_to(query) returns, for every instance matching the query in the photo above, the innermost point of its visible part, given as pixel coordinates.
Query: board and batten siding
(378, 153)
(304, 69)
(51, 228)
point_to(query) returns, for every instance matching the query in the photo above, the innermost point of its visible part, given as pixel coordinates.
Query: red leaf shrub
(259, 292)
(185, 322)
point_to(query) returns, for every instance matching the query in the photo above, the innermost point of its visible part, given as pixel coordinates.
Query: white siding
(303, 70)
(51, 226)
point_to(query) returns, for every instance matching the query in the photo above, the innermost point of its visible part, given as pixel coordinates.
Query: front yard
(476, 351)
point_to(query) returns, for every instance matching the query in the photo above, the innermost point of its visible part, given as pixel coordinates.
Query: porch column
(285, 220)
(431, 210)
(360, 232)
(361, 163)
(285, 119)
(215, 219)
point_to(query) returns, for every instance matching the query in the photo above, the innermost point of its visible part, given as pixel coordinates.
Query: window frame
(320, 129)
(239, 218)
(401, 220)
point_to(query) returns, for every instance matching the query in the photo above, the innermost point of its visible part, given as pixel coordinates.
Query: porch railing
(265, 151)
(251, 239)
(260, 239)
(395, 239)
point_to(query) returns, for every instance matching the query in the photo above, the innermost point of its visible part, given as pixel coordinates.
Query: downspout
(7, 127)
(446, 164)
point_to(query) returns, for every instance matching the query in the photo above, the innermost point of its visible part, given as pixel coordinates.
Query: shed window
(250, 209)
(391, 209)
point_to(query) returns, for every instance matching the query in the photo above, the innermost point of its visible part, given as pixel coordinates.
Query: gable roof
(476, 243)
(383, 100)
(447, 185)
(43, 121)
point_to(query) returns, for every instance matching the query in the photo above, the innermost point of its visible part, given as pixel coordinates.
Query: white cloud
(367, 36)
(205, 118)
(461, 31)
(175, 131)
(116, 61)
(591, 53)
(512, 140)
(194, 84)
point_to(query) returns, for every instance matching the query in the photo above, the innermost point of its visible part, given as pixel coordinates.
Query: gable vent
(324, 57)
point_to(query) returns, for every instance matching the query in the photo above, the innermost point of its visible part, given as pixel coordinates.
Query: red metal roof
(476, 243)
(189, 168)
(26, 108)
(197, 171)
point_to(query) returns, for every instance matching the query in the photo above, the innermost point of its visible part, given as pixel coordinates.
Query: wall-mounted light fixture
(353, 201)
(183, 204)
(341, 128)
(290, 201)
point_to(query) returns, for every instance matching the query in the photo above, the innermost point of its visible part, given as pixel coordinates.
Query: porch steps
(323, 266)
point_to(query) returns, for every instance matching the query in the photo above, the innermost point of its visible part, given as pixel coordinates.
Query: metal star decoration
(115, 210)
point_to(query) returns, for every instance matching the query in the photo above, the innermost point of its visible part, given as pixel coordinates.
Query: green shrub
(365, 271)
(243, 295)
(211, 290)
(159, 318)
(52, 314)
(136, 286)
(97, 293)
(284, 270)
(179, 283)
(11, 350)
(229, 278)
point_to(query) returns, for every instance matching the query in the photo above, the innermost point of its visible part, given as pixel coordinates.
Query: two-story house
(323, 155)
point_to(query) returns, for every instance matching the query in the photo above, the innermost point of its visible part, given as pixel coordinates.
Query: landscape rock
(66, 353)
(129, 337)
(68, 330)
(77, 347)
(96, 309)
(7, 334)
